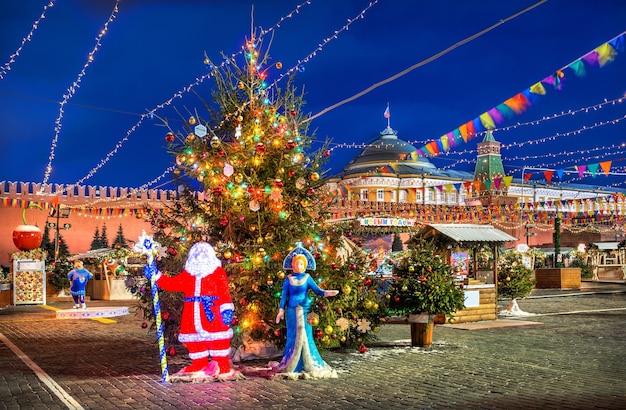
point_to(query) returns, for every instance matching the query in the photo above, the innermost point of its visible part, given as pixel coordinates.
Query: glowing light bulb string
(72, 90)
(7, 66)
(199, 80)
(179, 94)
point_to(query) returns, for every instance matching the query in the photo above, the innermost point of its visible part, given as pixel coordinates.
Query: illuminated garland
(72, 90)
(7, 66)
(151, 113)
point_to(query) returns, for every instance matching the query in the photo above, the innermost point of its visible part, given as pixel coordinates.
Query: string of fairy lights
(204, 77)
(71, 91)
(6, 67)
(298, 66)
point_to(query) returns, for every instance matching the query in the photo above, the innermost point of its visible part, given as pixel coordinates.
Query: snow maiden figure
(207, 313)
(300, 356)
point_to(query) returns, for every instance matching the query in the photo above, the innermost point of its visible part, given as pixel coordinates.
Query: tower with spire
(489, 172)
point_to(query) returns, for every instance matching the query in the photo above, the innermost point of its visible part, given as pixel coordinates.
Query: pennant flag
(477, 186)
(538, 88)
(387, 114)
(581, 170)
(606, 54)
(618, 43)
(517, 103)
(548, 175)
(478, 126)
(487, 184)
(505, 111)
(496, 182)
(527, 177)
(579, 68)
(433, 147)
(593, 168)
(467, 185)
(606, 167)
(445, 143)
(451, 140)
(463, 131)
(507, 181)
(471, 131)
(559, 173)
(487, 121)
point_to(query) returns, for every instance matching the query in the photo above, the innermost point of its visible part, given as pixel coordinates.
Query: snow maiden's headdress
(299, 250)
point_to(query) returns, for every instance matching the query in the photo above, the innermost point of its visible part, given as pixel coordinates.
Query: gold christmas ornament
(215, 141)
(192, 120)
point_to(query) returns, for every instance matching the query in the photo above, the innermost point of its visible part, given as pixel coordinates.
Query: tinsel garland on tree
(250, 186)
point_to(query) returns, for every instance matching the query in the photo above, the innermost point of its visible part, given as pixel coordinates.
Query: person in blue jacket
(300, 356)
(78, 278)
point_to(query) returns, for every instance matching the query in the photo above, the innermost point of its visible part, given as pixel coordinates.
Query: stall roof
(94, 253)
(467, 232)
(605, 246)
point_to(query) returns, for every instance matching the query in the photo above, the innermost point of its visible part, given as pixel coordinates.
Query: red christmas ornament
(221, 154)
(279, 183)
(223, 221)
(260, 148)
(291, 172)
(171, 351)
(333, 266)
(327, 153)
(292, 113)
(144, 325)
(277, 332)
(217, 191)
(172, 251)
(319, 334)
(162, 225)
(169, 137)
(362, 349)
(166, 315)
(290, 144)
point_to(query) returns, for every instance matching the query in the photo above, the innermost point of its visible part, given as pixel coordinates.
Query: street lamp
(60, 212)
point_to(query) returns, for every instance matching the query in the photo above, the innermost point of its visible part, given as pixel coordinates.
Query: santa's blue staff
(145, 245)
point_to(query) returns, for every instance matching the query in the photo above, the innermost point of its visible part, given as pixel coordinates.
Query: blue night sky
(155, 48)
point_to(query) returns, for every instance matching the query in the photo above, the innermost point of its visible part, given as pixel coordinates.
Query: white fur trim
(227, 306)
(198, 355)
(219, 353)
(205, 336)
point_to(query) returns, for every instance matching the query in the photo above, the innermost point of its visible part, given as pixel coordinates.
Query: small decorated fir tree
(424, 283)
(515, 280)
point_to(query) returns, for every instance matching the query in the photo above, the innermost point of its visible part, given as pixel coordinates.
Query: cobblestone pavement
(573, 359)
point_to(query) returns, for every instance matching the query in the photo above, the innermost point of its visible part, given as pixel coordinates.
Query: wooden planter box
(557, 278)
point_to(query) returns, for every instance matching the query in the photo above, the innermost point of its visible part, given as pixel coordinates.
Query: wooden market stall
(110, 271)
(466, 246)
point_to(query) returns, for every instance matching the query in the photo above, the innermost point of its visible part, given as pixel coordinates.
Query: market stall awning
(466, 233)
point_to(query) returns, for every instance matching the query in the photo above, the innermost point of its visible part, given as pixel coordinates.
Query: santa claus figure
(207, 311)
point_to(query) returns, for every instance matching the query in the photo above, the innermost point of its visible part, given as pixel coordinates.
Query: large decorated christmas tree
(250, 184)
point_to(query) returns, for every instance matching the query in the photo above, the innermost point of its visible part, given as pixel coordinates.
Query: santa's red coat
(210, 291)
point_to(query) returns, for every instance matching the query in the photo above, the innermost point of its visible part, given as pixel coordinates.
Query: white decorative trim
(227, 306)
(203, 336)
(198, 355)
(219, 353)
